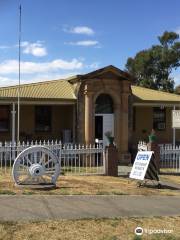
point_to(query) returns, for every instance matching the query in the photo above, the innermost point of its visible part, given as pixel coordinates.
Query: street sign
(140, 165)
(175, 118)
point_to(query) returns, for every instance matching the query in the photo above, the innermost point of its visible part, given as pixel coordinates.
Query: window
(104, 104)
(159, 118)
(4, 118)
(43, 118)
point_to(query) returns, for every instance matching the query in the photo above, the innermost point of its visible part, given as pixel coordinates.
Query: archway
(104, 117)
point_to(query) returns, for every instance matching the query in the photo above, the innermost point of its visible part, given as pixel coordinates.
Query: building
(84, 107)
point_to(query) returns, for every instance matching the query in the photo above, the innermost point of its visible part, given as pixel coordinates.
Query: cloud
(4, 47)
(79, 30)
(94, 65)
(4, 80)
(36, 49)
(10, 81)
(86, 43)
(11, 66)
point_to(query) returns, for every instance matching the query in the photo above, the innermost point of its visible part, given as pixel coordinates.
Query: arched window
(104, 104)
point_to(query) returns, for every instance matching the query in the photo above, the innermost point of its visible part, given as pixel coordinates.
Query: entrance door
(104, 117)
(103, 123)
(108, 126)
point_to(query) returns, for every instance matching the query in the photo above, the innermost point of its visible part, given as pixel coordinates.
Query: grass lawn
(100, 185)
(100, 229)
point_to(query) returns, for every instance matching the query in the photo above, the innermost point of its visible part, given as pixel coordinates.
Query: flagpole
(19, 82)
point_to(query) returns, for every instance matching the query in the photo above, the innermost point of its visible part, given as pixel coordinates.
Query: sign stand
(145, 169)
(151, 174)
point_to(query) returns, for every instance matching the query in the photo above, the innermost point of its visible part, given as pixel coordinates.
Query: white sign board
(176, 118)
(140, 165)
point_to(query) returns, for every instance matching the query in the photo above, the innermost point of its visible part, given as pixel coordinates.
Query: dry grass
(171, 178)
(96, 185)
(101, 229)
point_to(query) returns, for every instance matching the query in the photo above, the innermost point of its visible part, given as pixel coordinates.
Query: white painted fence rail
(74, 158)
(169, 157)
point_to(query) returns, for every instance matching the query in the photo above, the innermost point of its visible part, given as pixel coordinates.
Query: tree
(152, 68)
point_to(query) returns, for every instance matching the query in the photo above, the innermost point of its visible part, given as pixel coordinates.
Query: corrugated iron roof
(55, 89)
(63, 90)
(145, 94)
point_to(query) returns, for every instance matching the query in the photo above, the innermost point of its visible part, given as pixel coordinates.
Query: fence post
(111, 161)
(153, 146)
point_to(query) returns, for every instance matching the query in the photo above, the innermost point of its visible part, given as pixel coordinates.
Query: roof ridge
(150, 89)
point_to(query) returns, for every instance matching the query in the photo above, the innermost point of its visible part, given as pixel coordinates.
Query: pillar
(74, 124)
(89, 126)
(124, 123)
(13, 112)
(111, 161)
(125, 156)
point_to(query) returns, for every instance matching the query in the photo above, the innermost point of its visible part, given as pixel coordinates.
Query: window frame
(159, 120)
(8, 119)
(38, 129)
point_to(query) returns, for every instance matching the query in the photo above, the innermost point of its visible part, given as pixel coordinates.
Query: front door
(104, 123)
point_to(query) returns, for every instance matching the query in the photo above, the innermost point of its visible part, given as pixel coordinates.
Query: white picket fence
(74, 159)
(169, 157)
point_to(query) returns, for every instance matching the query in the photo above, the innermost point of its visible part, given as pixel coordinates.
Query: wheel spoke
(49, 161)
(42, 159)
(24, 166)
(28, 160)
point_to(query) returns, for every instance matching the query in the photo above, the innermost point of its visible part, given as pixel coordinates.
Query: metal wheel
(36, 165)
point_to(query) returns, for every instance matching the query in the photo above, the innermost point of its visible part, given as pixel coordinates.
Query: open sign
(140, 165)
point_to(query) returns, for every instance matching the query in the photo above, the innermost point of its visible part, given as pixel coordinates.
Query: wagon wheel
(36, 165)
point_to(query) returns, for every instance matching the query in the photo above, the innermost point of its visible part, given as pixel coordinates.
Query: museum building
(85, 107)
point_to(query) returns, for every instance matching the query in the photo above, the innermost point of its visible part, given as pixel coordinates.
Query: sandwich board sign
(141, 164)
(175, 118)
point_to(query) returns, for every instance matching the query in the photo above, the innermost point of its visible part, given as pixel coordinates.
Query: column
(88, 117)
(124, 123)
(74, 123)
(13, 112)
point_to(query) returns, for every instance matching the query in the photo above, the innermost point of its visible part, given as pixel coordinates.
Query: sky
(61, 38)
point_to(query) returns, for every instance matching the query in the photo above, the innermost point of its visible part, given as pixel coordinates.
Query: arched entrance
(104, 117)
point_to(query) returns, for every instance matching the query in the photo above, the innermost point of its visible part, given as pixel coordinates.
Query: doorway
(104, 118)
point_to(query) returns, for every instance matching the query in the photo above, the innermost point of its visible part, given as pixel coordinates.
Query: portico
(108, 84)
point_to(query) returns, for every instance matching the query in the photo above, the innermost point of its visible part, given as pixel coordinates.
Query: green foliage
(152, 67)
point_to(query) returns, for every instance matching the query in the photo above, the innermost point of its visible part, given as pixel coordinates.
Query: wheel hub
(36, 170)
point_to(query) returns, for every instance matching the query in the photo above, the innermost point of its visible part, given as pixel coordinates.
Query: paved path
(74, 207)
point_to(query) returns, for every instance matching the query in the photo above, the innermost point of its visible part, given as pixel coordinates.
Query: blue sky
(61, 38)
